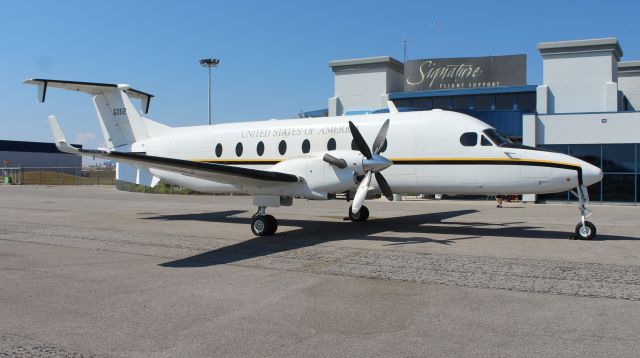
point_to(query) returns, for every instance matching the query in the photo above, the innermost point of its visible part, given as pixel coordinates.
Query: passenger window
(218, 150)
(485, 142)
(331, 144)
(260, 149)
(282, 147)
(239, 149)
(469, 139)
(306, 146)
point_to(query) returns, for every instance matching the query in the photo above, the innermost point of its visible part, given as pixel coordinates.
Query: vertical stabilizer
(121, 123)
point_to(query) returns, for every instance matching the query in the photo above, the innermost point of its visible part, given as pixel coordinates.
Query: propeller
(373, 163)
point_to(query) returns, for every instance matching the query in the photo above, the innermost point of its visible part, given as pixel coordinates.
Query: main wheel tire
(264, 225)
(272, 224)
(362, 215)
(588, 232)
(260, 225)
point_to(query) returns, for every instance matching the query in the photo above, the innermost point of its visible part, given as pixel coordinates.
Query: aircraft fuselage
(427, 148)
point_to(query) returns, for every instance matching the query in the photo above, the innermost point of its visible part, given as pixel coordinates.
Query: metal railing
(62, 175)
(10, 175)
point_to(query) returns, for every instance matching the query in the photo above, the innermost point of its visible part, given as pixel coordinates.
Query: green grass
(47, 177)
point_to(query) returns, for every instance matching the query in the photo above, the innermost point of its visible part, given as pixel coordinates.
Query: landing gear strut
(263, 224)
(585, 230)
(362, 215)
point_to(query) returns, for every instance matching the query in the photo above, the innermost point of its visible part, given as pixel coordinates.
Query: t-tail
(121, 123)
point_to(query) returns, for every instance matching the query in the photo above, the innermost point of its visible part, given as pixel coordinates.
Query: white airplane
(432, 151)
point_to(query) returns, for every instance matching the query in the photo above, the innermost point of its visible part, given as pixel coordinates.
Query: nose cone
(376, 163)
(590, 173)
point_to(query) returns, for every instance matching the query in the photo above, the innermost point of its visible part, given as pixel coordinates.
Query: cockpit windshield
(496, 137)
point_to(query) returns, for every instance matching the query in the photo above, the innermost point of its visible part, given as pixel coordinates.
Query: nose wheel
(263, 224)
(586, 231)
(361, 215)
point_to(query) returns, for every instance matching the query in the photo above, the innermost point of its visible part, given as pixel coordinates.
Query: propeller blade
(384, 186)
(360, 142)
(361, 193)
(380, 138)
(340, 163)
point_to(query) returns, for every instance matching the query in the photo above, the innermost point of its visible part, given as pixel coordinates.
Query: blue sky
(274, 54)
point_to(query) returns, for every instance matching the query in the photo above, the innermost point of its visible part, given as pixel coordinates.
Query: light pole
(208, 63)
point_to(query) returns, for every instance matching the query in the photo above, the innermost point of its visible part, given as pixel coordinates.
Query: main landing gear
(263, 224)
(585, 230)
(362, 215)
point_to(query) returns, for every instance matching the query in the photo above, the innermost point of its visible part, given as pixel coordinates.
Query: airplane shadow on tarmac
(310, 233)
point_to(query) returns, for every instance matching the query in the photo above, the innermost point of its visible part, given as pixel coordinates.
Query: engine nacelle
(322, 178)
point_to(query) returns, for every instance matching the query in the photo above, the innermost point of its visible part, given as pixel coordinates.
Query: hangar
(37, 154)
(22, 155)
(587, 105)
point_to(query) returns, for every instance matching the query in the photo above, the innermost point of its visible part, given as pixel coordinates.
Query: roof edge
(576, 46)
(388, 60)
(628, 66)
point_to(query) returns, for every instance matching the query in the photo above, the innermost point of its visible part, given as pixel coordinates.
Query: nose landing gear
(585, 230)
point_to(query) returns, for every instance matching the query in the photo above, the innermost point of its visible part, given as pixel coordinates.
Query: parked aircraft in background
(276, 161)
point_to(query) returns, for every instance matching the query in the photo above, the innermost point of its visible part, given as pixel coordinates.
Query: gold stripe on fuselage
(412, 161)
(510, 160)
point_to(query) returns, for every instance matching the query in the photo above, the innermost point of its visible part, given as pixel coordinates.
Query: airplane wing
(210, 171)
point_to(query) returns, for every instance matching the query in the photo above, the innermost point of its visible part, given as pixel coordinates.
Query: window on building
(403, 103)
(485, 142)
(441, 102)
(618, 158)
(239, 149)
(618, 187)
(504, 101)
(423, 103)
(469, 139)
(483, 102)
(331, 144)
(306, 146)
(282, 147)
(594, 191)
(461, 102)
(621, 166)
(218, 150)
(260, 149)
(590, 153)
(558, 148)
(526, 102)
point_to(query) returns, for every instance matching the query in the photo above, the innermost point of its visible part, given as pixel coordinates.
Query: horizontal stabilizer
(92, 88)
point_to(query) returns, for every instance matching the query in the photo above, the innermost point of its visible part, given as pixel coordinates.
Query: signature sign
(465, 72)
